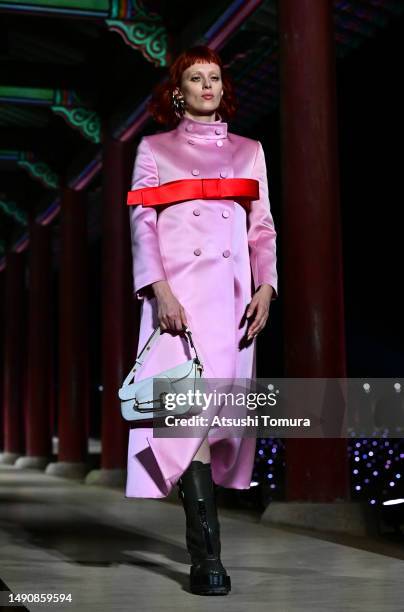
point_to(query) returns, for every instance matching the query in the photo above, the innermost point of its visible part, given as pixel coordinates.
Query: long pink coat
(208, 251)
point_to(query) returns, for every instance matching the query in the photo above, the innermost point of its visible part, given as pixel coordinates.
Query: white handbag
(138, 401)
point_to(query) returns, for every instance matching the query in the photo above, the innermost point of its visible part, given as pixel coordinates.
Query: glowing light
(393, 502)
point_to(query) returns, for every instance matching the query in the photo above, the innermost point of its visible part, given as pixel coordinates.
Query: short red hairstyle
(161, 106)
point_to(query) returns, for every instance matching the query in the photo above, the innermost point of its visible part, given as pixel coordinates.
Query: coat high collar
(209, 130)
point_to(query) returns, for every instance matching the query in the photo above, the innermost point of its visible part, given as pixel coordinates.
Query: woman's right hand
(170, 312)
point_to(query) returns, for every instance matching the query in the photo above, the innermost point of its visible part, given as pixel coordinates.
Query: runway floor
(120, 555)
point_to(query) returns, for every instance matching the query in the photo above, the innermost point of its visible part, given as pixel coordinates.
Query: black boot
(196, 491)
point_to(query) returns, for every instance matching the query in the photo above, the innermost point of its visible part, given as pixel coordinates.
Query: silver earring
(179, 105)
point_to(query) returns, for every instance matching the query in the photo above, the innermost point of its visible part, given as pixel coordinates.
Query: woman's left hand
(260, 305)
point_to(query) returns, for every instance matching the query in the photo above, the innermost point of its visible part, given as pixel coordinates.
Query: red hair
(161, 106)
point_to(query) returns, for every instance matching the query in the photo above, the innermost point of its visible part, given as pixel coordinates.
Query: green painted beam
(39, 171)
(65, 103)
(78, 6)
(11, 209)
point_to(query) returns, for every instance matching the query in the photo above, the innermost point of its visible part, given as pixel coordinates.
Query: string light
(372, 468)
(375, 463)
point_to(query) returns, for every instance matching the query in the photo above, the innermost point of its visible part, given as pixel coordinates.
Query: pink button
(196, 211)
(225, 214)
(226, 253)
(197, 252)
(218, 131)
(189, 127)
(191, 142)
(219, 143)
(223, 173)
(195, 171)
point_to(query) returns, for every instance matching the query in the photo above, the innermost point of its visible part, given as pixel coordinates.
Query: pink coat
(209, 252)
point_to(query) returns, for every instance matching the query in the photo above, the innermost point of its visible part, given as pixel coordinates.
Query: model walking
(193, 263)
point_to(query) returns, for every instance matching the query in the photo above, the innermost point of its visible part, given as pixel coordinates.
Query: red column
(316, 469)
(14, 357)
(39, 385)
(73, 338)
(119, 312)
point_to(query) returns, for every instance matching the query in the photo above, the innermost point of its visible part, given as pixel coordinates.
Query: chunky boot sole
(209, 584)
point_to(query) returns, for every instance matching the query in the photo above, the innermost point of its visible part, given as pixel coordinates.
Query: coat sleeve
(146, 257)
(261, 230)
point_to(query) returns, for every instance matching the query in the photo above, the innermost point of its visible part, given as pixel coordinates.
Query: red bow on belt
(195, 189)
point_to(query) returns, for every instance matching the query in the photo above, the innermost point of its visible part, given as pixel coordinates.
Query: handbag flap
(144, 388)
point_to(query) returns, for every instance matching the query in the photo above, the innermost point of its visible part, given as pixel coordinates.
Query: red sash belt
(195, 189)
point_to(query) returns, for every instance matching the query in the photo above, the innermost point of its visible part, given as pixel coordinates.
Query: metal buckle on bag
(160, 403)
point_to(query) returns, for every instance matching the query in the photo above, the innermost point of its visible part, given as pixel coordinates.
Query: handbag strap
(152, 339)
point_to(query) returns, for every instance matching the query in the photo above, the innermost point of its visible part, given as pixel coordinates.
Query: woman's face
(202, 89)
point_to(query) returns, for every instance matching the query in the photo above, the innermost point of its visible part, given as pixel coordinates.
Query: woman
(194, 262)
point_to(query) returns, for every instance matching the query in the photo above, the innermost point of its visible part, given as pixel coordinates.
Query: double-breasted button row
(225, 253)
(219, 143)
(225, 213)
(223, 172)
